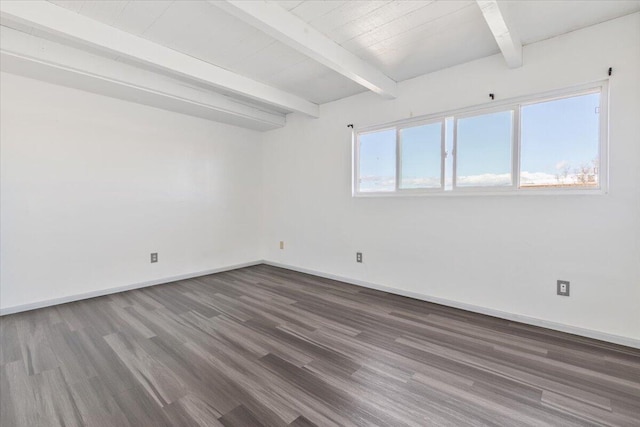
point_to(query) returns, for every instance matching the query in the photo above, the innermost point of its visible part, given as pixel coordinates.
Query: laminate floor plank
(10, 350)
(265, 346)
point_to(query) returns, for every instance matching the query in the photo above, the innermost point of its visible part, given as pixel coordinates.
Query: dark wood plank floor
(267, 346)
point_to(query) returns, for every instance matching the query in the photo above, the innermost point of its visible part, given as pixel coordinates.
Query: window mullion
(398, 158)
(516, 148)
(454, 154)
(355, 144)
(443, 150)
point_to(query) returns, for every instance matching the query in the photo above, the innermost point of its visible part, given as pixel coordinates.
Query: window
(377, 161)
(421, 157)
(483, 146)
(560, 143)
(555, 142)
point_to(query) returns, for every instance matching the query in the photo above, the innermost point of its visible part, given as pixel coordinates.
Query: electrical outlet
(281, 244)
(358, 256)
(154, 257)
(563, 288)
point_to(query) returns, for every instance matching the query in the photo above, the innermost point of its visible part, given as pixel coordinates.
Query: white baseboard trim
(602, 336)
(101, 292)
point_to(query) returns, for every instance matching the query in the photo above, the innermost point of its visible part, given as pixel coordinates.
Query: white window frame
(514, 104)
(356, 159)
(409, 125)
(603, 146)
(514, 149)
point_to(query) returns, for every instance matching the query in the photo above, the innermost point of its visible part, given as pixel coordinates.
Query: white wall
(91, 185)
(500, 252)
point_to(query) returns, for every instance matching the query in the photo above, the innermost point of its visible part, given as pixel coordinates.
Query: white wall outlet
(563, 288)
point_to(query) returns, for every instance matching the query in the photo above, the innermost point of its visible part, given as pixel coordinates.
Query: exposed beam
(284, 26)
(495, 14)
(31, 56)
(58, 21)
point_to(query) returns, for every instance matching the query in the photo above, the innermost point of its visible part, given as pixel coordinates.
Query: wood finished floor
(267, 346)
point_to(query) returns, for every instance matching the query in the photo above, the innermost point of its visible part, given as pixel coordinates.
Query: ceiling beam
(494, 12)
(61, 22)
(287, 28)
(34, 57)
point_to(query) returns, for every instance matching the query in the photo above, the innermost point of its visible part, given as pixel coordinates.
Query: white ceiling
(544, 19)
(401, 38)
(404, 39)
(204, 31)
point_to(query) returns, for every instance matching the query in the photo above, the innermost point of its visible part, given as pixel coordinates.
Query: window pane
(377, 161)
(421, 148)
(483, 153)
(448, 161)
(559, 143)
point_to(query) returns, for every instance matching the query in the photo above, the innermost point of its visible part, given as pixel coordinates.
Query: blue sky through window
(559, 138)
(559, 147)
(378, 161)
(421, 156)
(484, 150)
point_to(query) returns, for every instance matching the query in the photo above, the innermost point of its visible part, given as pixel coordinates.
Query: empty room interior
(319, 213)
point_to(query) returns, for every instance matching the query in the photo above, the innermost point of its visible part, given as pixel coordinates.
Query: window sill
(476, 192)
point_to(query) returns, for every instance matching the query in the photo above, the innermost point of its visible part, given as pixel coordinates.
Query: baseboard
(588, 333)
(615, 339)
(101, 292)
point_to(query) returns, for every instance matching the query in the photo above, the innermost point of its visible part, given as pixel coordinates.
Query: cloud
(386, 183)
(526, 178)
(377, 183)
(540, 178)
(485, 179)
(562, 164)
(421, 182)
